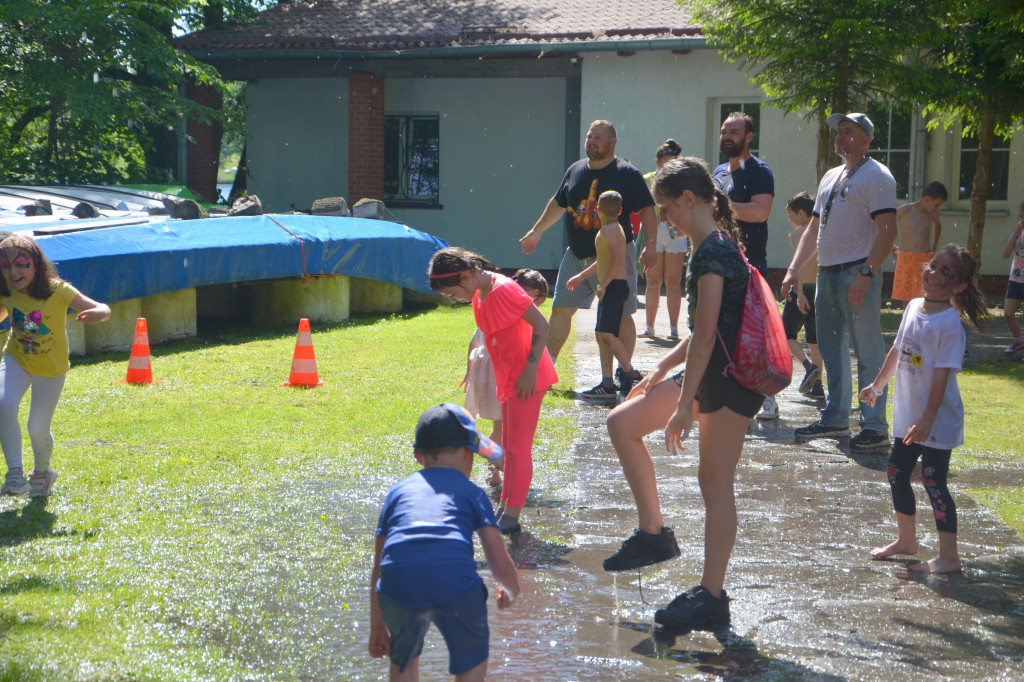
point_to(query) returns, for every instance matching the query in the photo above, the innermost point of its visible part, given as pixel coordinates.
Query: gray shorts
(586, 291)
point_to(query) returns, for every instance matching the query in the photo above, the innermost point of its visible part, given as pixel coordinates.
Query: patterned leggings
(934, 469)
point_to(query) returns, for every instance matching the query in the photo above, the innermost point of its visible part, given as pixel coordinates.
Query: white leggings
(14, 381)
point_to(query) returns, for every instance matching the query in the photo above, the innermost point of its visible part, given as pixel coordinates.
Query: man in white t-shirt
(852, 229)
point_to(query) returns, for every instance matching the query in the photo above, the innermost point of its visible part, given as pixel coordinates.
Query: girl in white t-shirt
(928, 415)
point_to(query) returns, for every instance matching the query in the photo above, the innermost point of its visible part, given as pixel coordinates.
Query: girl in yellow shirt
(36, 356)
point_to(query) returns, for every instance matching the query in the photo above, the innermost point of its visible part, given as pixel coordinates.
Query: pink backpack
(760, 358)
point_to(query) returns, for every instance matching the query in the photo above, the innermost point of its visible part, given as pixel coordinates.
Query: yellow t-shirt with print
(39, 334)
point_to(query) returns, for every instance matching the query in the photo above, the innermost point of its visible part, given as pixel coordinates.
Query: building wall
(297, 135)
(503, 146)
(502, 154)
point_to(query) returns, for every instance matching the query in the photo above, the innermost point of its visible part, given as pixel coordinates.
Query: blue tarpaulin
(120, 263)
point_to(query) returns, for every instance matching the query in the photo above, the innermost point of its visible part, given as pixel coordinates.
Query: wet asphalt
(808, 602)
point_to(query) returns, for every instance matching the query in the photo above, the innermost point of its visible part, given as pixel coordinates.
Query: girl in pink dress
(515, 333)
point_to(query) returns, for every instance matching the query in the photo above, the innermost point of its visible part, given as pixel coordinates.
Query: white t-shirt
(849, 232)
(924, 343)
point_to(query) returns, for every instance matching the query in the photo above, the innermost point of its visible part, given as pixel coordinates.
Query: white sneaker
(648, 331)
(41, 483)
(14, 484)
(769, 410)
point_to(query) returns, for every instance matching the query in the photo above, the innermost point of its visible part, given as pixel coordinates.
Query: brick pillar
(204, 151)
(365, 137)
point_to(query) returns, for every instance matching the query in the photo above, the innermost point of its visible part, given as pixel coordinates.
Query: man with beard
(852, 228)
(750, 184)
(609, 172)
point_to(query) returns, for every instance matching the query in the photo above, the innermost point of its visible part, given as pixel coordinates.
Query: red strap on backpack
(760, 359)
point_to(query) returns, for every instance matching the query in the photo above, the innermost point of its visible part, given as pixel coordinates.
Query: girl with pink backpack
(707, 392)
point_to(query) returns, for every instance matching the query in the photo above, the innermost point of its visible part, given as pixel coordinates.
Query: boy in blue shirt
(423, 566)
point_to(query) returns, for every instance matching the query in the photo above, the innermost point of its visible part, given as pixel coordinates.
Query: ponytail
(725, 216)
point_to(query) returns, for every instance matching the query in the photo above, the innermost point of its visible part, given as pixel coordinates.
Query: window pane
(411, 158)
(998, 174)
(899, 166)
(900, 130)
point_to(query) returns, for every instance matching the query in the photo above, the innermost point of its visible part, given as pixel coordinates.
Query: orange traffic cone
(303, 373)
(139, 370)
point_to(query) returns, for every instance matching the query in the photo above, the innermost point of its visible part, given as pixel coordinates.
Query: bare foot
(937, 565)
(895, 547)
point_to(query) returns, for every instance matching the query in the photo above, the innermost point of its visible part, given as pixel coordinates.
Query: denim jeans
(839, 323)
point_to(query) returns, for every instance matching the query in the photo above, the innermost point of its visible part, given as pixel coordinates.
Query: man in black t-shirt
(601, 171)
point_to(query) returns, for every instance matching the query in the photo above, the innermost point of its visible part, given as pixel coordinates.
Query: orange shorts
(906, 283)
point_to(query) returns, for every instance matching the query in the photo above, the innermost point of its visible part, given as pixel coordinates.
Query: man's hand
(858, 289)
(529, 241)
(573, 281)
(791, 282)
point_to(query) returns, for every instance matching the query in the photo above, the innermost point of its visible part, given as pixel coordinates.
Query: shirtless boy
(917, 243)
(612, 291)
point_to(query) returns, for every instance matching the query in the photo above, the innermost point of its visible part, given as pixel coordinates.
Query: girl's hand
(380, 640)
(93, 315)
(504, 599)
(644, 386)
(526, 386)
(919, 432)
(678, 428)
(867, 396)
(465, 381)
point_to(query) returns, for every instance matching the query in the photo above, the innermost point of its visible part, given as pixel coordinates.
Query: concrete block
(117, 332)
(413, 296)
(170, 315)
(371, 296)
(322, 299)
(76, 335)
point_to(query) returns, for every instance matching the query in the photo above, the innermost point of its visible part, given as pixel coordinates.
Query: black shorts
(611, 306)
(793, 319)
(717, 391)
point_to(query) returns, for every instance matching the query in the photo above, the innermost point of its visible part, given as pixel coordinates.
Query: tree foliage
(92, 91)
(816, 56)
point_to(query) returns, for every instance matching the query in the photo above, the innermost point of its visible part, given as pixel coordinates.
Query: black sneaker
(818, 392)
(600, 393)
(509, 526)
(695, 609)
(869, 440)
(643, 549)
(627, 380)
(812, 373)
(819, 430)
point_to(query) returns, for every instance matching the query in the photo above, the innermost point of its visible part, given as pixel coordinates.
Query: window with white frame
(752, 109)
(969, 162)
(891, 146)
(412, 158)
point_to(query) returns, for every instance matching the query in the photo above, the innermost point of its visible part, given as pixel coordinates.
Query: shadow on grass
(738, 658)
(233, 331)
(30, 522)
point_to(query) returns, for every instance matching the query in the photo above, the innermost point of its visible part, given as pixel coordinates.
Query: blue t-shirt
(428, 521)
(752, 178)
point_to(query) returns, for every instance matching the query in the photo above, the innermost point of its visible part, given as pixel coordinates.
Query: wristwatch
(866, 271)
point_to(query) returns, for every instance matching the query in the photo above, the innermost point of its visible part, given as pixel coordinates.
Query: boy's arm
(500, 563)
(937, 224)
(922, 428)
(380, 638)
(805, 251)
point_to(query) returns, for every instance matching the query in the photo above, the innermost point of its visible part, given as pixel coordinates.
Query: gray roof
(395, 25)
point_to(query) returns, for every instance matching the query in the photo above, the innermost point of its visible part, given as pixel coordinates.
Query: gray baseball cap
(862, 121)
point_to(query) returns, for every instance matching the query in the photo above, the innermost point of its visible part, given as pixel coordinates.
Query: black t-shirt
(619, 175)
(752, 178)
(718, 254)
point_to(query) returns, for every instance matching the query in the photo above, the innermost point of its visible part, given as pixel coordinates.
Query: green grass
(217, 525)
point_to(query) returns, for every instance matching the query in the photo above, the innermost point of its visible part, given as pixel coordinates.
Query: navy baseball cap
(450, 425)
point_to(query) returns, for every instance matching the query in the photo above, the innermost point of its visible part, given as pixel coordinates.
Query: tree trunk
(240, 185)
(823, 161)
(981, 184)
